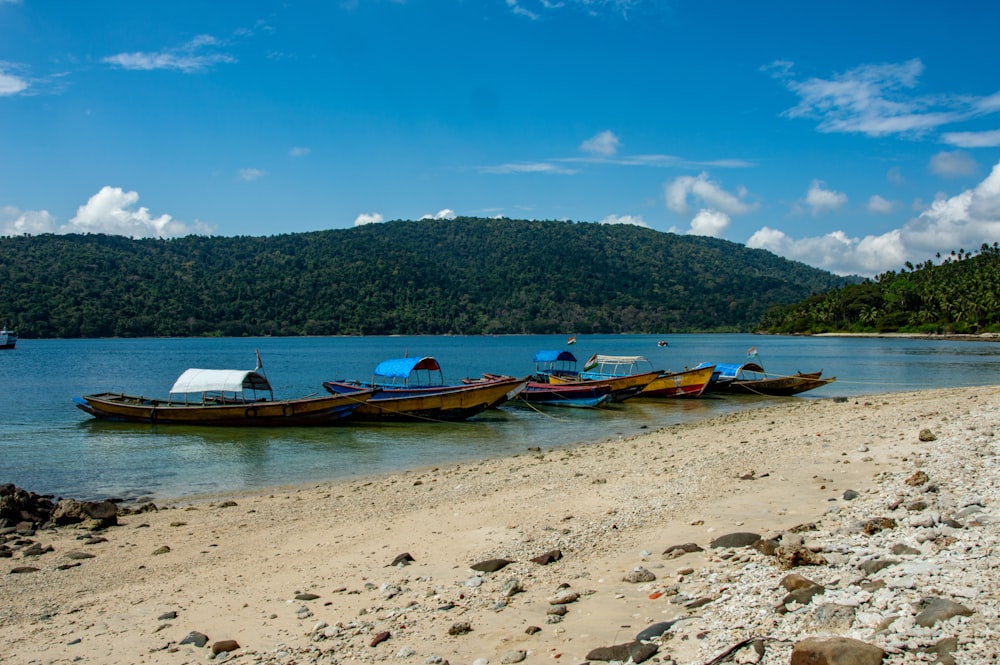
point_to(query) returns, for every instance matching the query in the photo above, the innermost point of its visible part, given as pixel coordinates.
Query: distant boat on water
(8, 338)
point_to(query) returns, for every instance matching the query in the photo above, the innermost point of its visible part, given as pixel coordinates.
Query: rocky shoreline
(827, 531)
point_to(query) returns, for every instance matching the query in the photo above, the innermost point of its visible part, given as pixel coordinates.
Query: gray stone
(491, 565)
(939, 609)
(636, 651)
(738, 539)
(196, 638)
(653, 631)
(638, 575)
(835, 651)
(514, 656)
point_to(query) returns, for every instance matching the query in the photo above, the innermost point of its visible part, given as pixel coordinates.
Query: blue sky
(851, 136)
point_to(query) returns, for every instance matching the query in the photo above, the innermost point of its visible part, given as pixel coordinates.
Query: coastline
(306, 574)
(981, 337)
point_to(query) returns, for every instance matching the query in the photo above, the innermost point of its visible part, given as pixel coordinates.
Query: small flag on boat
(571, 340)
(752, 352)
(591, 363)
(260, 365)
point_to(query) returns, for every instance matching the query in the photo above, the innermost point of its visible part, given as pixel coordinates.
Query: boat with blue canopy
(415, 389)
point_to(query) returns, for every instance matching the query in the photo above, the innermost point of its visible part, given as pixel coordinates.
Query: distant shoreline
(982, 337)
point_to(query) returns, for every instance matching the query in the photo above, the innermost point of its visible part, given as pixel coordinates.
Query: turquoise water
(50, 447)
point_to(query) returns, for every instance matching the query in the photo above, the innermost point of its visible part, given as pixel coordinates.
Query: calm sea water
(50, 447)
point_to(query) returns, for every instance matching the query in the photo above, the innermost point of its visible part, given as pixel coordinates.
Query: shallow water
(48, 446)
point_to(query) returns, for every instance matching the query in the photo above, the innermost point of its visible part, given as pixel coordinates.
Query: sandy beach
(887, 503)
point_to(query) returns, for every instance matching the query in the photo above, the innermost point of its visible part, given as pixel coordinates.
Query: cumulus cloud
(367, 218)
(707, 193)
(447, 213)
(879, 205)
(707, 222)
(604, 144)
(966, 220)
(820, 200)
(111, 211)
(635, 220)
(953, 164)
(33, 222)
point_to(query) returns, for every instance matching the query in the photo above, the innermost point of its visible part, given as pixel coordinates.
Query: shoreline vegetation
(948, 337)
(866, 523)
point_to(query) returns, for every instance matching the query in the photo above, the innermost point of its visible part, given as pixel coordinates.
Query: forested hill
(460, 276)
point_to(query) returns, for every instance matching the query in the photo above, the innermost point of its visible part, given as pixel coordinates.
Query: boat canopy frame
(554, 360)
(604, 367)
(221, 384)
(421, 372)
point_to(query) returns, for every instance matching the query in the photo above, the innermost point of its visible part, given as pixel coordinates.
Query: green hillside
(460, 276)
(960, 295)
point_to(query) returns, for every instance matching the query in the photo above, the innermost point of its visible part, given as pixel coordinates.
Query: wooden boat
(576, 395)
(242, 398)
(414, 389)
(689, 383)
(620, 373)
(8, 338)
(750, 378)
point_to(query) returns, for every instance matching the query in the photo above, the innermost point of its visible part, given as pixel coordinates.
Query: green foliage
(461, 276)
(960, 295)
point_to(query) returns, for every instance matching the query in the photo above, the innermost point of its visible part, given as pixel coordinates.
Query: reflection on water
(48, 446)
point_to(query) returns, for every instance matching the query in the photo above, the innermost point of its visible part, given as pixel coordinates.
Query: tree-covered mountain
(960, 295)
(459, 276)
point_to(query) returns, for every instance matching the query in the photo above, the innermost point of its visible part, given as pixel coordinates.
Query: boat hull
(782, 386)
(306, 411)
(573, 395)
(689, 383)
(450, 403)
(622, 387)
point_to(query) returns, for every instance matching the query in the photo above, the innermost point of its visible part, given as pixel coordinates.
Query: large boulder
(835, 651)
(98, 514)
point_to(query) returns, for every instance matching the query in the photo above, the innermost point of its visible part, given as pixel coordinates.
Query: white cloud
(604, 144)
(822, 200)
(112, 211)
(194, 56)
(447, 213)
(877, 100)
(299, 151)
(635, 220)
(367, 218)
(33, 222)
(710, 194)
(879, 205)
(10, 84)
(895, 176)
(964, 221)
(528, 167)
(990, 139)
(713, 223)
(953, 164)
(249, 175)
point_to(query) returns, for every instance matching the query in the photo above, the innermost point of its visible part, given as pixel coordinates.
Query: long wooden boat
(750, 378)
(240, 398)
(414, 389)
(689, 383)
(575, 395)
(619, 373)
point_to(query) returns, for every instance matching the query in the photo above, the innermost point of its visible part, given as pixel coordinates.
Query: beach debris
(546, 558)
(460, 628)
(735, 540)
(635, 651)
(491, 565)
(675, 551)
(756, 642)
(403, 559)
(196, 638)
(835, 651)
(638, 575)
